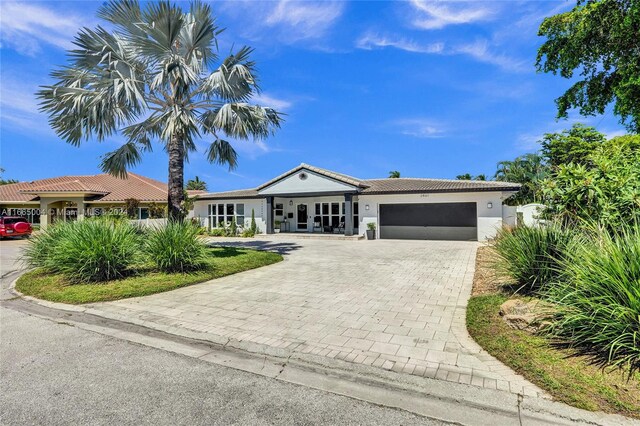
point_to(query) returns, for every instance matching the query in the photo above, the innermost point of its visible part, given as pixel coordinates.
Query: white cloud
(285, 20)
(19, 106)
(481, 51)
(25, 27)
(371, 40)
(305, 19)
(266, 100)
(434, 15)
(424, 128)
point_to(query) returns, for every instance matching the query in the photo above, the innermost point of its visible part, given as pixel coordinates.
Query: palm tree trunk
(176, 178)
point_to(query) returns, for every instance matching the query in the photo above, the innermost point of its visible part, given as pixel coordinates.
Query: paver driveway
(397, 305)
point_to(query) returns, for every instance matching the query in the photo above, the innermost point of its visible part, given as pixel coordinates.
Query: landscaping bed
(566, 375)
(221, 261)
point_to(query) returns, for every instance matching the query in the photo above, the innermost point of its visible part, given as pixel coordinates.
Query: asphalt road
(57, 374)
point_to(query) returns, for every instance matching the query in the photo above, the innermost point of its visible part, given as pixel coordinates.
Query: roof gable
(309, 179)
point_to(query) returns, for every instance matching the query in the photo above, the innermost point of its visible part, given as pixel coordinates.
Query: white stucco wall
(489, 219)
(200, 210)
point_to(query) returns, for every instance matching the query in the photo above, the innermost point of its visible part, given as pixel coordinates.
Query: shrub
(91, 250)
(248, 233)
(254, 227)
(41, 245)
(217, 232)
(175, 247)
(529, 255)
(598, 297)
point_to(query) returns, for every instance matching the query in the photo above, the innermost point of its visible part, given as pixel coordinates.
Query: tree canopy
(152, 78)
(571, 146)
(599, 41)
(196, 184)
(394, 174)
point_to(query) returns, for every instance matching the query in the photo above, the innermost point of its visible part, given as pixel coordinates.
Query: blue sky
(432, 89)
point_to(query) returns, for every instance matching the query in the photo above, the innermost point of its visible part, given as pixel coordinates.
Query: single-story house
(312, 199)
(46, 201)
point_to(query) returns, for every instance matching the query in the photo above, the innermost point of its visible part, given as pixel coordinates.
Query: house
(312, 199)
(46, 201)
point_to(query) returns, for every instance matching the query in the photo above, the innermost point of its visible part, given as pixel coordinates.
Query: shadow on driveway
(277, 247)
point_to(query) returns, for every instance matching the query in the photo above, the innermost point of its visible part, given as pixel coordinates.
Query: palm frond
(124, 14)
(222, 152)
(116, 162)
(242, 120)
(235, 79)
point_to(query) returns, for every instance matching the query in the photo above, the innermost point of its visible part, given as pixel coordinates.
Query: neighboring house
(46, 201)
(311, 199)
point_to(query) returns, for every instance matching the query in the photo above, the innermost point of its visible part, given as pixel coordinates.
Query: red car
(14, 226)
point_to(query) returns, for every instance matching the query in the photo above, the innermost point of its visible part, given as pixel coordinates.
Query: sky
(431, 89)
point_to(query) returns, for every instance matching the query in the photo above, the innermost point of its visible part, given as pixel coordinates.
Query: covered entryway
(429, 221)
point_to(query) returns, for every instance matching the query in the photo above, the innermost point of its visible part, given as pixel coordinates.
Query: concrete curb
(432, 398)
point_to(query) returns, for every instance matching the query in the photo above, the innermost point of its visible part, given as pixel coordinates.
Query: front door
(301, 217)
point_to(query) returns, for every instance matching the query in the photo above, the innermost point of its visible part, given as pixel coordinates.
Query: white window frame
(215, 218)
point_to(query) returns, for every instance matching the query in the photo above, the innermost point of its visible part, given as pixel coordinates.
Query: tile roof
(379, 186)
(106, 188)
(406, 185)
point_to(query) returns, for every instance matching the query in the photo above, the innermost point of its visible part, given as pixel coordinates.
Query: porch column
(44, 214)
(348, 214)
(269, 215)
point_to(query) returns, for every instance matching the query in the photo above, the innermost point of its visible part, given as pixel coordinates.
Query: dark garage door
(434, 221)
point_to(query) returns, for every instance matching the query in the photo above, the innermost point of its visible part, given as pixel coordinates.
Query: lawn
(569, 378)
(223, 261)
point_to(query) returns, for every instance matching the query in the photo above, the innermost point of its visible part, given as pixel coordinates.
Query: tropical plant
(529, 256)
(150, 78)
(175, 247)
(571, 146)
(394, 174)
(131, 207)
(607, 191)
(156, 211)
(597, 39)
(598, 297)
(91, 250)
(196, 184)
(468, 176)
(528, 170)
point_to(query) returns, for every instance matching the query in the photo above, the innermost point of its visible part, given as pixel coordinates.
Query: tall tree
(196, 184)
(598, 39)
(394, 174)
(571, 146)
(152, 78)
(529, 170)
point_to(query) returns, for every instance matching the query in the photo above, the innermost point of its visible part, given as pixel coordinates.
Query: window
(279, 210)
(326, 218)
(222, 214)
(143, 213)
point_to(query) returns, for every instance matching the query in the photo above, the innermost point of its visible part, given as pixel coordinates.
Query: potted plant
(371, 231)
(277, 226)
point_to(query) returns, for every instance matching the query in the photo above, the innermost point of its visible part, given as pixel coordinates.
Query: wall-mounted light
(290, 202)
(366, 206)
(489, 205)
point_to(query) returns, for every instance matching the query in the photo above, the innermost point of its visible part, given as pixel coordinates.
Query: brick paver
(396, 305)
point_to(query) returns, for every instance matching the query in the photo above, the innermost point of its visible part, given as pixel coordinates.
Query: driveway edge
(432, 398)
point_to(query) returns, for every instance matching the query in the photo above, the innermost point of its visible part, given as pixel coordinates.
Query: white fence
(529, 214)
(148, 223)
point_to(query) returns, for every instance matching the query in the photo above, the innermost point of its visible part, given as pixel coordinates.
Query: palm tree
(196, 184)
(151, 78)
(394, 174)
(529, 170)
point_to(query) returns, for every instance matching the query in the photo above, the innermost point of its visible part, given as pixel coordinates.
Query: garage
(429, 221)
